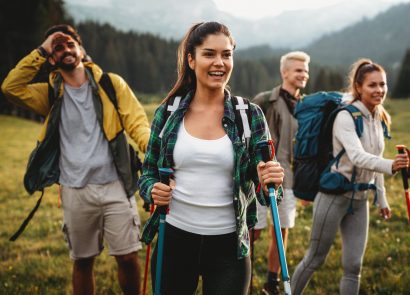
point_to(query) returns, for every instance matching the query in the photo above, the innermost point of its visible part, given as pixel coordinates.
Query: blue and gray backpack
(313, 151)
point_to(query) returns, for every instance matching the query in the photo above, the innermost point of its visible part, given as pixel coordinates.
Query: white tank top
(202, 201)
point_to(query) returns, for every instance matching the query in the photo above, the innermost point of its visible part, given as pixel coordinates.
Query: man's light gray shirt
(85, 155)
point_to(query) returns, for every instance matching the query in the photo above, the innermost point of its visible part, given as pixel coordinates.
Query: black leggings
(188, 256)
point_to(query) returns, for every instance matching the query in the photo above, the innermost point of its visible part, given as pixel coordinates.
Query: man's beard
(68, 67)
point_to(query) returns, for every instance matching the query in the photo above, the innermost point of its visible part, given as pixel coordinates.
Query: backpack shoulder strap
(53, 91)
(108, 87)
(357, 118)
(172, 106)
(51, 97)
(358, 122)
(242, 117)
(106, 84)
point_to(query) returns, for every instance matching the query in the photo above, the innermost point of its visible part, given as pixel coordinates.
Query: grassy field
(38, 263)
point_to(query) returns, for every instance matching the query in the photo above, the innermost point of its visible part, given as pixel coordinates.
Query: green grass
(38, 262)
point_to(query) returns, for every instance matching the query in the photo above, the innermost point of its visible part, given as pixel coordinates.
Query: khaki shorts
(286, 208)
(100, 212)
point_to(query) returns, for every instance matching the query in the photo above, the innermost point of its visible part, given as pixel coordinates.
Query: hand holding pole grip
(164, 176)
(404, 173)
(267, 151)
(405, 176)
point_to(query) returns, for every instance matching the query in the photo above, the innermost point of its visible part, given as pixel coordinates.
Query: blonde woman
(368, 88)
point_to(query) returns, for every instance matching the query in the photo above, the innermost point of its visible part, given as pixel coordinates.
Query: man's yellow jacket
(43, 168)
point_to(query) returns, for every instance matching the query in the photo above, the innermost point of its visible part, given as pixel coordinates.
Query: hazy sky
(260, 8)
(254, 8)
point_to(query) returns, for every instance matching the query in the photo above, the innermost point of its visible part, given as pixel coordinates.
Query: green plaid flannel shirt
(160, 155)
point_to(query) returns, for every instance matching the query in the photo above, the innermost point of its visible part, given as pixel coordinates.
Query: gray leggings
(330, 214)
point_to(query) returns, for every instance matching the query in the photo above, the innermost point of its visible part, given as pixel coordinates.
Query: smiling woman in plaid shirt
(211, 199)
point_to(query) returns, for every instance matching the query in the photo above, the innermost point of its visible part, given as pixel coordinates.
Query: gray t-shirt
(85, 155)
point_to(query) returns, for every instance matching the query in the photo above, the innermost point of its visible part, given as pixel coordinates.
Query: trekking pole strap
(27, 220)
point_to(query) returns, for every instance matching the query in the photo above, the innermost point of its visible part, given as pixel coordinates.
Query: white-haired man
(278, 105)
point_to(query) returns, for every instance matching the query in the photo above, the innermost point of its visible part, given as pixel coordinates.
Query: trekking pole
(144, 288)
(405, 176)
(252, 258)
(164, 175)
(264, 148)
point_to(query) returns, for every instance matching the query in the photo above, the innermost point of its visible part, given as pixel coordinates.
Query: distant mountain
(384, 38)
(296, 29)
(171, 18)
(166, 18)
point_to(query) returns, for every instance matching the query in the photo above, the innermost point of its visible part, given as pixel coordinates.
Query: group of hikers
(218, 193)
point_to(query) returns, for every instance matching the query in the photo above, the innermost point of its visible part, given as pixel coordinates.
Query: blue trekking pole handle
(164, 176)
(264, 148)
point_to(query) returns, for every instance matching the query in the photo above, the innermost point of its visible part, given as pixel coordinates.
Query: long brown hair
(195, 36)
(358, 73)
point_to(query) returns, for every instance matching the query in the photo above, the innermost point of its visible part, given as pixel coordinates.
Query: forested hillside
(384, 38)
(148, 62)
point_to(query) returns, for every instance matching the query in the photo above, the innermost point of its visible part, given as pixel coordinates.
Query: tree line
(147, 62)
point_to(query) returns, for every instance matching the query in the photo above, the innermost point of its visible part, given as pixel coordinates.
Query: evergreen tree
(321, 82)
(249, 77)
(22, 27)
(402, 87)
(327, 80)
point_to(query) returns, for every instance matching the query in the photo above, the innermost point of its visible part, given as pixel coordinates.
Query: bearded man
(82, 147)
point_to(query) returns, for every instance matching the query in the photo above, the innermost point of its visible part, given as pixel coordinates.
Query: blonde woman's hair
(358, 73)
(294, 55)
